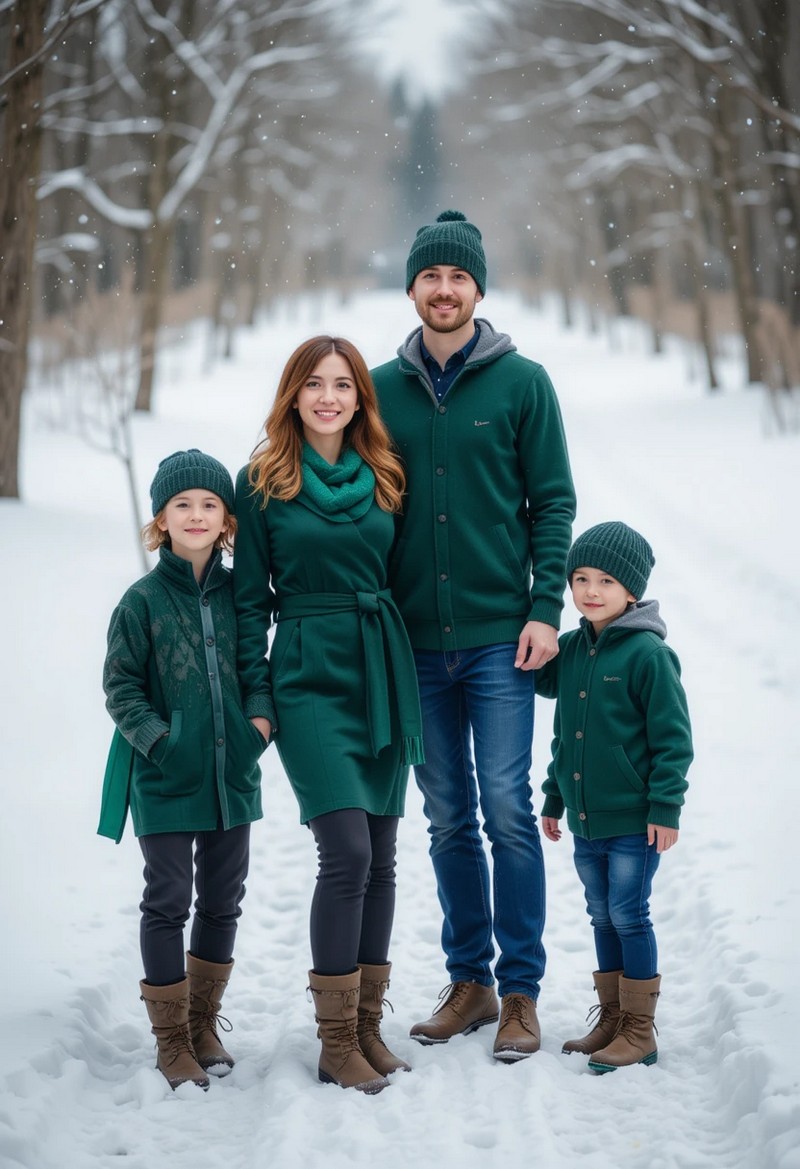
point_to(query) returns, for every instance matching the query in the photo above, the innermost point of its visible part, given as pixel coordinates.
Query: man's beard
(455, 321)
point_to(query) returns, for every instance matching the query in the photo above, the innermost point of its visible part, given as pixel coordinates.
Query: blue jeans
(617, 875)
(476, 700)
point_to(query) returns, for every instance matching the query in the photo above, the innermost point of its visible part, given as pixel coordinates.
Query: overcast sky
(413, 38)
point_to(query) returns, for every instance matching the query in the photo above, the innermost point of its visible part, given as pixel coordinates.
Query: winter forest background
(167, 160)
(188, 189)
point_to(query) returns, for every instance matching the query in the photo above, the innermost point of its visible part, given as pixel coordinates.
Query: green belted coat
(339, 683)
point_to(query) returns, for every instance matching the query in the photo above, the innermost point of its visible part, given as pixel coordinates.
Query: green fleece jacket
(487, 521)
(173, 691)
(622, 739)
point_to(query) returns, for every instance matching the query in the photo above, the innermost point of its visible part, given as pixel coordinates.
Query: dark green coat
(314, 681)
(490, 496)
(622, 740)
(171, 667)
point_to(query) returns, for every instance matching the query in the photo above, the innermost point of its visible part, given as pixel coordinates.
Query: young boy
(184, 759)
(621, 749)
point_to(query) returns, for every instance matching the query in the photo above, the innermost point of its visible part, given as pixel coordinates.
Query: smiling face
(194, 520)
(445, 298)
(326, 403)
(599, 596)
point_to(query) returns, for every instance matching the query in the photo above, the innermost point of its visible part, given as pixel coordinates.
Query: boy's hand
(264, 727)
(550, 828)
(537, 644)
(664, 837)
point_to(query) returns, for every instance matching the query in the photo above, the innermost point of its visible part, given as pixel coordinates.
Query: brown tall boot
(606, 983)
(341, 1059)
(635, 1040)
(374, 985)
(168, 1011)
(207, 982)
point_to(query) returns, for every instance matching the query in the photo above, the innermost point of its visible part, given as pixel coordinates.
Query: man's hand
(538, 643)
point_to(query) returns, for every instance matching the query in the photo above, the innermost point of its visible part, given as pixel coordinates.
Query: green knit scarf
(340, 492)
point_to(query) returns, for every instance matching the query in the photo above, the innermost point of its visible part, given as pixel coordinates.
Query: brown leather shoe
(463, 1007)
(518, 1035)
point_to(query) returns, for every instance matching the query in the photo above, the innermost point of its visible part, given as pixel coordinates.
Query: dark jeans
(617, 876)
(352, 910)
(220, 866)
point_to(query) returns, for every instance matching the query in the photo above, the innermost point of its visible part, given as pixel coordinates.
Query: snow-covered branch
(82, 184)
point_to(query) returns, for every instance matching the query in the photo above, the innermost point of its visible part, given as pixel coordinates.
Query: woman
(316, 508)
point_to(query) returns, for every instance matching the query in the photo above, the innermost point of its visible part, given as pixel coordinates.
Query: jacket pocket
(245, 745)
(627, 770)
(182, 764)
(287, 634)
(502, 538)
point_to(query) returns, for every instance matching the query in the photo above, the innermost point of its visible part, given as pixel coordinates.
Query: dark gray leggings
(219, 869)
(353, 905)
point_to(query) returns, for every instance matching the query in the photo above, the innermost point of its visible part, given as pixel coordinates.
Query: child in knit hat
(622, 746)
(184, 758)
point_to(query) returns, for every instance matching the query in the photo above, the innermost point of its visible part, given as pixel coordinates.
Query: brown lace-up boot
(518, 1034)
(635, 1040)
(374, 985)
(342, 1060)
(605, 1013)
(207, 982)
(463, 1008)
(168, 1011)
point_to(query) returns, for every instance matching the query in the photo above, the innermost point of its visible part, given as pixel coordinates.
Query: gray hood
(490, 345)
(643, 617)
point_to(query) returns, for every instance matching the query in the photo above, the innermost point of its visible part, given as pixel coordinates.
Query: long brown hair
(275, 465)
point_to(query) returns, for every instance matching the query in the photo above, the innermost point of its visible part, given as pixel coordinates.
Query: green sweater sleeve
(669, 735)
(551, 497)
(254, 601)
(125, 678)
(553, 801)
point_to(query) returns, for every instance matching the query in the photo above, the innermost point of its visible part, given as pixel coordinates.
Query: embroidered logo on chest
(477, 423)
(611, 678)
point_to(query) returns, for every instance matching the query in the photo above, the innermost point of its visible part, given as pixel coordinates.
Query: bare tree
(30, 39)
(650, 113)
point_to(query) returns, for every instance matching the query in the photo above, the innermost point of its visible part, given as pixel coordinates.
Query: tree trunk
(735, 239)
(156, 262)
(18, 177)
(158, 244)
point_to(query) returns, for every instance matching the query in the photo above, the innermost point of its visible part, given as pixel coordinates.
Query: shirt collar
(458, 358)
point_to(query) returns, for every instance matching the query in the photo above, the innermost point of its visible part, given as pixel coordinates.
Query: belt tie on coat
(387, 656)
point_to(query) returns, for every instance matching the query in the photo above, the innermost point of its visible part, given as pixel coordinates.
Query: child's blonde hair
(154, 537)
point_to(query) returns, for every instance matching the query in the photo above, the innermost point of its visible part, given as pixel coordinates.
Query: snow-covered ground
(717, 497)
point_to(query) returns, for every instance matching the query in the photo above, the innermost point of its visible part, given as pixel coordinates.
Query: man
(490, 504)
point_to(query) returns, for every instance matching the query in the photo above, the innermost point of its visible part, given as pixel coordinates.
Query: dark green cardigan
(490, 498)
(622, 739)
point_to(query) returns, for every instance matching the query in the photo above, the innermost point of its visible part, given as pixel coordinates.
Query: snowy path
(79, 1089)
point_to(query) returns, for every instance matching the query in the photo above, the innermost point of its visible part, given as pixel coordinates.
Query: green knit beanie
(616, 549)
(186, 470)
(450, 240)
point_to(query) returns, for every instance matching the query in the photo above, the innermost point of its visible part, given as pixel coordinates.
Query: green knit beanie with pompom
(450, 240)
